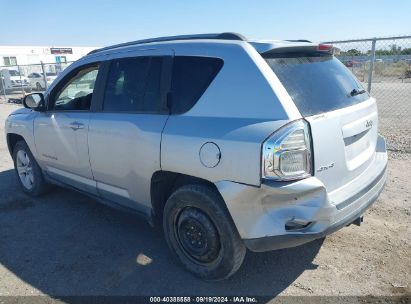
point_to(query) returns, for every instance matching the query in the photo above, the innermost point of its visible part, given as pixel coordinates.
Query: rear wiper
(356, 92)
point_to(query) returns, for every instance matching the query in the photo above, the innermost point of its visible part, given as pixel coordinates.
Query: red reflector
(325, 47)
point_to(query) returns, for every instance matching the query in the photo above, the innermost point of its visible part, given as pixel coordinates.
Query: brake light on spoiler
(329, 48)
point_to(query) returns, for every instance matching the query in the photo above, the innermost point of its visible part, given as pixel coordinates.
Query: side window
(134, 85)
(77, 93)
(190, 79)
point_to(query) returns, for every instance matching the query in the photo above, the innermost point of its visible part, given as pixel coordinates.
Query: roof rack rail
(222, 36)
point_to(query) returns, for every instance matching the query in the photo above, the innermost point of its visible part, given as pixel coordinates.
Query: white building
(27, 55)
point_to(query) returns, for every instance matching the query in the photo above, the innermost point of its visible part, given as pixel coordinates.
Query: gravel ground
(64, 243)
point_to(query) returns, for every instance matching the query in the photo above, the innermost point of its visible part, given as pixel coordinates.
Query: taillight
(287, 153)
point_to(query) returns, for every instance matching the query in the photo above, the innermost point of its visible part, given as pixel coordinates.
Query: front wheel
(201, 233)
(28, 171)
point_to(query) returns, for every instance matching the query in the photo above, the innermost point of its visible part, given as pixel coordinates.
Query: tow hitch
(358, 221)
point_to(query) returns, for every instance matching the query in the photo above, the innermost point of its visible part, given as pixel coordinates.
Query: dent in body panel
(263, 211)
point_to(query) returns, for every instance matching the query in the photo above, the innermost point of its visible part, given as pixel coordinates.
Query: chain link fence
(383, 65)
(18, 80)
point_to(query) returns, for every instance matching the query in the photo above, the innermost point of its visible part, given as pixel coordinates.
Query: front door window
(77, 93)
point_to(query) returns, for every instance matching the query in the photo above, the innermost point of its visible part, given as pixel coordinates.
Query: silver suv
(231, 144)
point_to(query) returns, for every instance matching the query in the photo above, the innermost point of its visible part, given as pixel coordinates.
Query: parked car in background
(11, 80)
(229, 143)
(37, 80)
(351, 63)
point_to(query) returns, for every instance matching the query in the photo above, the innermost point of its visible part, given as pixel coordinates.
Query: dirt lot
(66, 244)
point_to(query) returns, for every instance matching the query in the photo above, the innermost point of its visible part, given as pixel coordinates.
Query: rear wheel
(28, 171)
(201, 233)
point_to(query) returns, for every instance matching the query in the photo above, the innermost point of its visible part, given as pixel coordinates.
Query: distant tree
(352, 52)
(395, 49)
(406, 51)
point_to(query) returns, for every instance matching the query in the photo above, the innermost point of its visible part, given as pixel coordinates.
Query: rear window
(317, 84)
(191, 76)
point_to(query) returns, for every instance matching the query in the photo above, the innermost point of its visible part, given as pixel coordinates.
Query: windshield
(14, 73)
(317, 84)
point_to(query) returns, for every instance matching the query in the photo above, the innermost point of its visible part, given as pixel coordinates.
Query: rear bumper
(261, 213)
(292, 240)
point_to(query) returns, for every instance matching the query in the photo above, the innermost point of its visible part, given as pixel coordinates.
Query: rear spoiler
(299, 47)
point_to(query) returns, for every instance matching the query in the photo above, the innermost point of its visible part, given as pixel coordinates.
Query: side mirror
(34, 101)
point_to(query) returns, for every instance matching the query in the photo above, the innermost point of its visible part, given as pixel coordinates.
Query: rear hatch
(342, 116)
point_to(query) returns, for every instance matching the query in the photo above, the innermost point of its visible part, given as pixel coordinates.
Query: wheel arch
(12, 140)
(164, 183)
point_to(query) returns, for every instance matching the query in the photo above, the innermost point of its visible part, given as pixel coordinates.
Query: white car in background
(37, 80)
(11, 80)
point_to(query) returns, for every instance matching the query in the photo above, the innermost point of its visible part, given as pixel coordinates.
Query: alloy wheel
(25, 169)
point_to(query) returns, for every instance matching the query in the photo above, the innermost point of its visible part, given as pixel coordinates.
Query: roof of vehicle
(262, 46)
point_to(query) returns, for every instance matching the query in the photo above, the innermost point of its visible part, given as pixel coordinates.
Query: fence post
(21, 82)
(44, 75)
(3, 86)
(371, 64)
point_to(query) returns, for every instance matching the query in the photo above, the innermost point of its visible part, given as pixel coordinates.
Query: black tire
(39, 185)
(39, 87)
(203, 208)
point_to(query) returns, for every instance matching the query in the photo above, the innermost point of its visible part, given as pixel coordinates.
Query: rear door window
(134, 85)
(191, 77)
(317, 84)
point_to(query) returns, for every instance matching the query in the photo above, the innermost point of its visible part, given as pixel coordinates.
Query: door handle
(76, 126)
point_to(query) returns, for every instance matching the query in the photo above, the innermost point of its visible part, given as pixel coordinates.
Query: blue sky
(99, 22)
